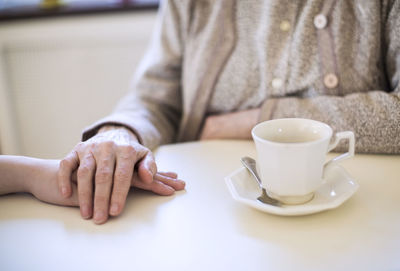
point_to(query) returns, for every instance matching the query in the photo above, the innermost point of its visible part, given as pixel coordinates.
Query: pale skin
(105, 165)
(236, 125)
(106, 162)
(35, 176)
(19, 174)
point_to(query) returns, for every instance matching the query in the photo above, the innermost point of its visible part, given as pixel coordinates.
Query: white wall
(59, 75)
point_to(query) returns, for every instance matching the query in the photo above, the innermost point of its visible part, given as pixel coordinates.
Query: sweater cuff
(267, 110)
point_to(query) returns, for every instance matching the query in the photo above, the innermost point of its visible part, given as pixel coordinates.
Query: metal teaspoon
(250, 164)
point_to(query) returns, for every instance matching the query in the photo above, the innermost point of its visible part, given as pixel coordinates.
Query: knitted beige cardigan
(193, 40)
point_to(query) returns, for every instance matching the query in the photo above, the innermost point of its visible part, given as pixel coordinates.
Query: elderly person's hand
(107, 165)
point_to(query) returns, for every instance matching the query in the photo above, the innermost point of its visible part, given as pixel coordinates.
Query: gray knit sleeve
(152, 108)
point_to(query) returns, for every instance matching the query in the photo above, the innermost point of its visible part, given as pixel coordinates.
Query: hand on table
(107, 165)
(35, 176)
(19, 174)
(42, 183)
(236, 125)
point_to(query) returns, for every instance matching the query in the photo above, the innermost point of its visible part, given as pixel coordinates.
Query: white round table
(203, 228)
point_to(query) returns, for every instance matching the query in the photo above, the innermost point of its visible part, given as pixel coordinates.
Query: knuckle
(106, 164)
(81, 146)
(103, 176)
(88, 158)
(107, 144)
(150, 154)
(120, 192)
(119, 196)
(127, 151)
(83, 171)
(65, 163)
(101, 199)
(85, 195)
(90, 145)
(122, 176)
(102, 148)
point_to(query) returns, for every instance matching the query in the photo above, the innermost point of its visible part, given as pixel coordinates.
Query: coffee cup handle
(338, 137)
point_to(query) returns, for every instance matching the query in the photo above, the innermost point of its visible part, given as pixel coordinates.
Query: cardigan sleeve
(152, 108)
(374, 115)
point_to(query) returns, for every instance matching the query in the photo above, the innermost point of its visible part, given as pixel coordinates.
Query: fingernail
(98, 216)
(114, 209)
(85, 211)
(64, 191)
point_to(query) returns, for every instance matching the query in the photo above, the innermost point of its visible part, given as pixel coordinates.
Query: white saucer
(338, 186)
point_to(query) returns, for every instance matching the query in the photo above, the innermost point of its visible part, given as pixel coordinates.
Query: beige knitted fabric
(198, 64)
(238, 85)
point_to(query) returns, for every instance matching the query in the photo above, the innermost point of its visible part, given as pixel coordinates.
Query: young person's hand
(163, 184)
(35, 176)
(43, 184)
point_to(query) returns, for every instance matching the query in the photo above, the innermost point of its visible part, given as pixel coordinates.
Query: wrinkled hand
(107, 165)
(42, 183)
(236, 125)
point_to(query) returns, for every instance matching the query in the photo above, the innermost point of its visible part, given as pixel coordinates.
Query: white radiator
(59, 75)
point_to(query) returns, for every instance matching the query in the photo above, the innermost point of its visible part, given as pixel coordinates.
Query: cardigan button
(284, 26)
(331, 80)
(277, 83)
(320, 21)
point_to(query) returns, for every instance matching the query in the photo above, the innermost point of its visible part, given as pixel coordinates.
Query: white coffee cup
(292, 156)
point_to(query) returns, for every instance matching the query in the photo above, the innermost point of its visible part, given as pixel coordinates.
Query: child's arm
(35, 176)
